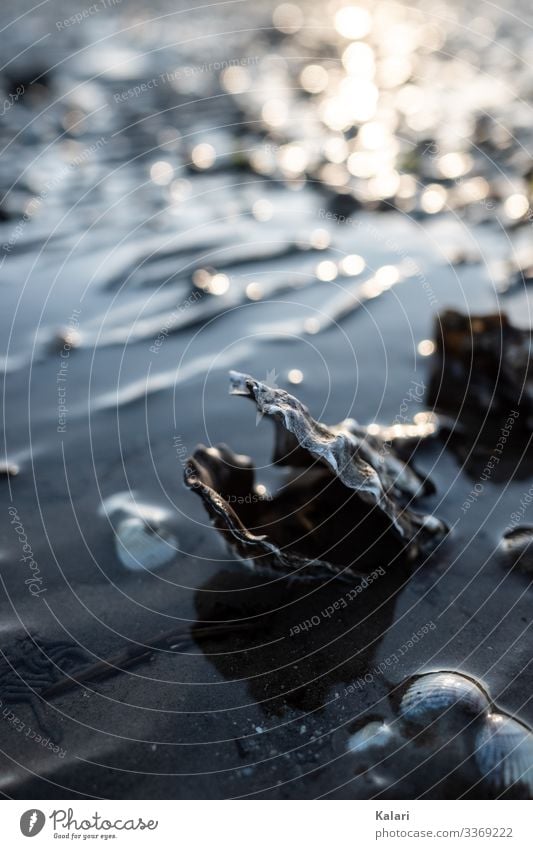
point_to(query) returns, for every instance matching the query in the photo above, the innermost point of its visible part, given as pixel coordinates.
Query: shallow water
(137, 278)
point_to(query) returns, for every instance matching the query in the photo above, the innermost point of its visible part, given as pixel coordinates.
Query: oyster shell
(346, 505)
(481, 367)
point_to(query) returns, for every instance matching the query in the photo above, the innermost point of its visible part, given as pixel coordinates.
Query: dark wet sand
(112, 252)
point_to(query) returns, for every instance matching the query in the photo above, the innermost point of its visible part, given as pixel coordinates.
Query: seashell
(144, 545)
(347, 508)
(517, 548)
(442, 702)
(65, 338)
(374, 735)
(504, 754)
(8, 470)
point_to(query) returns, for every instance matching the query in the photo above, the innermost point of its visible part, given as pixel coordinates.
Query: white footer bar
(267, 825)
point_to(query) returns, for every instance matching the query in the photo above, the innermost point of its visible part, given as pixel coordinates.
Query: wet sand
(231, 218)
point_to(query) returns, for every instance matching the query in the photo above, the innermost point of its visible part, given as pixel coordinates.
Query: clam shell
(444, 702)
(140, 545)
(504, 753)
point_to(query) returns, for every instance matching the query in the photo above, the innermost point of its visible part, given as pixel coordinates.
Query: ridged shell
(443, 702)
(141, 545)
(504, 753)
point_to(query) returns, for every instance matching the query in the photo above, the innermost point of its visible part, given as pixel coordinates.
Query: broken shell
(346, 505)
(375, 735)
(504, 754)
(143, 545)
(443, 702)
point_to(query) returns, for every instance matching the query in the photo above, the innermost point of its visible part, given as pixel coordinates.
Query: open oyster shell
(345, 506)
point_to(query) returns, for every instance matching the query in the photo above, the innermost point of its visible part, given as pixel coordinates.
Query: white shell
(442, 701)
(504, 753)
(374, 735)
(140, 545)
